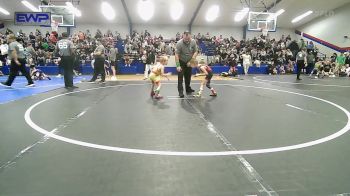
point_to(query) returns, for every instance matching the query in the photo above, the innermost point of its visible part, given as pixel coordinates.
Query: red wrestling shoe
(158, 97)
(213, 94)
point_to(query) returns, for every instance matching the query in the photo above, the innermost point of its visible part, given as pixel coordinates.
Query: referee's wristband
(177, 64)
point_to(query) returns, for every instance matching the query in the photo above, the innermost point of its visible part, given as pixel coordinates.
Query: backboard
(60, 14)
(262, 20)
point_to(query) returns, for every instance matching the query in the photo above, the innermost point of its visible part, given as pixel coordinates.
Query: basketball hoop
(54, 26)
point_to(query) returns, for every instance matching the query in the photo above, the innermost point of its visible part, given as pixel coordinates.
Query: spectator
(99, 63)
(340, 61)
(310, 61)
(334, 57)
(149, 62)
(347, 60)
(4, 51)
(310, 46)
(247, 61)
(112, 59)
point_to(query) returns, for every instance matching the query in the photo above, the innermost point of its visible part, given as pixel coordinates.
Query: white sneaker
(30, 85)
(59, 76)
(113, 78)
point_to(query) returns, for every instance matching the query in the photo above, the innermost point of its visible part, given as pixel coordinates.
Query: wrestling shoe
(190, 90)
(158, 97)
(4, 85)
(213, 93)
(30, 85)
(198, 95)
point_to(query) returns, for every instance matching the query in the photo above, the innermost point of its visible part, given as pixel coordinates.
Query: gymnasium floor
(263, 135)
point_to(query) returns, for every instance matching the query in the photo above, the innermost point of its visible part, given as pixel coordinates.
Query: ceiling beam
(128, 16)
(273, 5)
(195, 14)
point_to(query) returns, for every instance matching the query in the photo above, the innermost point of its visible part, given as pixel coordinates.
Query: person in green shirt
(341, 59)
(340, 62)
(45, 46)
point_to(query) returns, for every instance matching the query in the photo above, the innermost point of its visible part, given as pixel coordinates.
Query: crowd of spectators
(277, 54)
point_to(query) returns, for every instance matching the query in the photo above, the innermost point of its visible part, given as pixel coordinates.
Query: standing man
(301, 61)
(150, 60)
(99, 68)
(186, 53)
(311, 59)
(112, 59)
(340, 62)
(247, 61)
(65, 49)
(18, 62)
(347, 60)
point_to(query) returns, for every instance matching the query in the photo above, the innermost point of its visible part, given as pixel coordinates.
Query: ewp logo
(32, 18)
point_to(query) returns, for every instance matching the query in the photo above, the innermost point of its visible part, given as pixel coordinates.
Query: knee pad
(208, 85)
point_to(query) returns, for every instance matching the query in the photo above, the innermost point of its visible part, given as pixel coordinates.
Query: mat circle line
(345, 129)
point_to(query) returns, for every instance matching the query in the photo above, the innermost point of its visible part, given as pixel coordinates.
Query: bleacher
(207, 48)
(137, 67)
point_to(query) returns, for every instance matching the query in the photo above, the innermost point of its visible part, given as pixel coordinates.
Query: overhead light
(73, 9)
(275, 15)
(2, 10)
(212, 13)
(241, 14)
(279, 12)
(30, 6)
(145, 9)
(107, 10)
(176, 9)
(297, 19)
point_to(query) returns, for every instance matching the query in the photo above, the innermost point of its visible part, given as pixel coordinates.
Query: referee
(301, 61)
(18, 62)
(186, 52)
(65, 49)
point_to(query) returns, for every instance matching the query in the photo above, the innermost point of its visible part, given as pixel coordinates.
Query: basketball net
(54, 26)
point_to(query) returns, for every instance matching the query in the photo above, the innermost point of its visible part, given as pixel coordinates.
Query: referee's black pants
(300, 66)
(67, 64)
(99, 68)
(14, 68)
(186, 72)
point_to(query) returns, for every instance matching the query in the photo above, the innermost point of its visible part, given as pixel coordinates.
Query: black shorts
(113, 63)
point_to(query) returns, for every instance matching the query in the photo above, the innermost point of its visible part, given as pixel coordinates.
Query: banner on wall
(33, 18)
